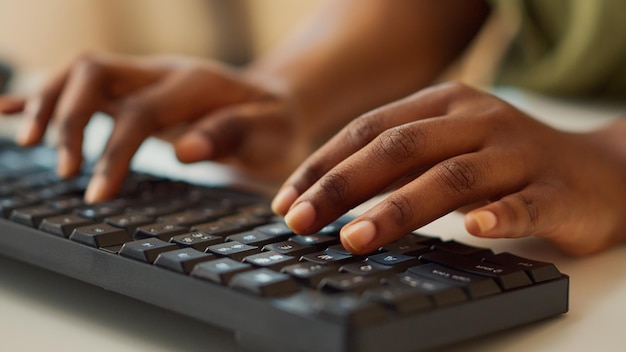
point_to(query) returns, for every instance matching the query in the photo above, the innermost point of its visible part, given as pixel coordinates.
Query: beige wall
(36, 34)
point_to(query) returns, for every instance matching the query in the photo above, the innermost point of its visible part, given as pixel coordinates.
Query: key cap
(462, 249)
(402, 299)
(507, 277)
(233, 249)
(351, 309)
(347, 283)
(309, 273)
(63, 225)
(328, 257)
(101, 211)
(129, 222)
(100, 235)
(290, 248)
(318, 241)
(253, 238)
(396, 260)
(367, 268)
(441, 293)
(264, 282)
(476, 286)
(220, 270)
(276, 229)
(182, 260)
(196, 240)
(406, 248)
(161, 231)
(270, 260)
(538, 271)
(219, 228)
(146, 250)
(32, 216)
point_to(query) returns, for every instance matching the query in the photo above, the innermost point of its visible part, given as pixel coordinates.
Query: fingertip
(97, 190)
(284, 199)
(193, 147)
(301, 217)
(357, 237)
(481, 222)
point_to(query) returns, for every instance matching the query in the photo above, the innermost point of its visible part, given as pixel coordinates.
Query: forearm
(354, 55)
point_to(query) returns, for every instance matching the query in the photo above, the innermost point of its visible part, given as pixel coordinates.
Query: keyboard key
(196, 240)
(220, 270)
(367, 268)
(182, 260)
(347, 283)
(353, 309)
(276, 229)
(395, 260)
(270, 260)
(463, 249)
(476, 286)
(100, 235)
(538, 271)
(318, 241)
(129, 222)
(309, 273)
(161, 231)
(507, 277)
(63, 225)
(264, 282)
(233, 249)
(32, 216)
(146, 250)
(290, 248)
(442, 294)
(402, 299)
(101, 211)
(328, 257)
(253, 238)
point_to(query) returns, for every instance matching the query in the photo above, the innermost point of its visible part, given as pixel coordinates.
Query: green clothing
(569, 47)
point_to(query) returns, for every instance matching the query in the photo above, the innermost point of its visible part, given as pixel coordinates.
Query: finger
(130, 130)
(443, 188)
(11, 104)
(430, 102)
(39, 109)
(82, 96)
(400, 151)
(227, 131)
(533, 211)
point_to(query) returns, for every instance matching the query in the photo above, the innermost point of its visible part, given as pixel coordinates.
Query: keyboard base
(267, 325)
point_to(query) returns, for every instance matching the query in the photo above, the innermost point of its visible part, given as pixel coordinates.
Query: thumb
(519, 214)
(213, 136)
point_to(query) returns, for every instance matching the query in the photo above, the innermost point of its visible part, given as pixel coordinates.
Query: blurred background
(39, 36)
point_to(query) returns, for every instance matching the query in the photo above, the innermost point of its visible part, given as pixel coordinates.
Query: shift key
(507, 277)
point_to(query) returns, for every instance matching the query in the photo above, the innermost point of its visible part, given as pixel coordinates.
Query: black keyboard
(206, 252)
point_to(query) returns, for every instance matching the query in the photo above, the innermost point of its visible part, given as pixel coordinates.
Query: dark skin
(443, 148)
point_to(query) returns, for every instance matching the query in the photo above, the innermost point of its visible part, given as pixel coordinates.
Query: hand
(451, 146)
(223, 117)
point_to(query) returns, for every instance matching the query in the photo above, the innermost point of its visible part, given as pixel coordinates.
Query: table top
(40, 310)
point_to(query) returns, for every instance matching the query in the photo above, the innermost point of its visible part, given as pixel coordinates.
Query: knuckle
(401, 210)
(399, 144)
(457, 176)
(334, 186)
(530, 212)
(362, 130)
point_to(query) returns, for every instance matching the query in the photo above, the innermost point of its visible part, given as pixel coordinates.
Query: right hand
(223, 116)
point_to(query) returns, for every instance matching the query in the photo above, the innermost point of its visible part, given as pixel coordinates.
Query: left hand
(451, 146)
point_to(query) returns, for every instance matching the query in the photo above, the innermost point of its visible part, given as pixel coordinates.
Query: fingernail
(96, 189)
(301, 217)
(284, 199)
(485, 220)
(359, 235)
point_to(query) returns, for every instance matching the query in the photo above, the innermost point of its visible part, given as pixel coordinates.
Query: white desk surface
(42, 311)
